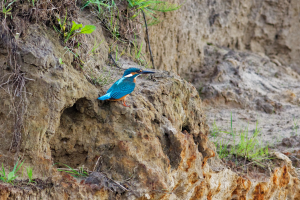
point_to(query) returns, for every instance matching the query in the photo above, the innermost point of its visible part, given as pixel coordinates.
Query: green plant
(215, 130)
(106, 11)
(113, 27)
(5, 9)
(79, 29)
(137, 51)
(95, 46)
(60, 61)
(114, 20)
(222, 149)
(77, 56)
(81, 172)
(30, 174)
(249, 146)
(8, 178)
(151, 7)
(117, 55)
(137, 55)
(99, 4)
(62, 25)
(76, 29)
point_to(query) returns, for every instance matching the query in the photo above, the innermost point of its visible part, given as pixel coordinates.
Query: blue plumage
(124, 86)
(104, 97)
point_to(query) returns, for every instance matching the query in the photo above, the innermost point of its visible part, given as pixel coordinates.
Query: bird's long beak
(146, 72)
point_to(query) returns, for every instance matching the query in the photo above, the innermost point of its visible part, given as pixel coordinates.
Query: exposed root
(13, 83)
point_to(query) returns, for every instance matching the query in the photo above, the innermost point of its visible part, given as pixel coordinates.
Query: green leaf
(18, 167)
(3, 171)
(130, 3)
(60, 61)
(9, 4)
(139, 54)
(11, 176)
(29, 172)
(15, 166)
(88, 29)
(75, 27)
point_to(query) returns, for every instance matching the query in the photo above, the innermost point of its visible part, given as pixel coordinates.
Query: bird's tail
(104, 97)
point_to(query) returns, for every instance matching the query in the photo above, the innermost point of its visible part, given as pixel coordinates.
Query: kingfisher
(124, 86)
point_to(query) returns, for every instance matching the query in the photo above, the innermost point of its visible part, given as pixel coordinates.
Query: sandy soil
(259, 92)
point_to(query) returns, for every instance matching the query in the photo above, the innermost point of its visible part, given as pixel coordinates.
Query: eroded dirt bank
(267, 27)
(159, 148)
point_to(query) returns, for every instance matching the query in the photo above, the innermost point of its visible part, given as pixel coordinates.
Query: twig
(78, 170)
(115, 62)
(96, 164)
(148, 39)
(121, 186)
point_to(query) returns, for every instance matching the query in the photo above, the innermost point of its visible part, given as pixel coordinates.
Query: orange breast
(122, 98)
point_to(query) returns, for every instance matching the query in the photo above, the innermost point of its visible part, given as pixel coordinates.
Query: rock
(293, 141)
(99, 180)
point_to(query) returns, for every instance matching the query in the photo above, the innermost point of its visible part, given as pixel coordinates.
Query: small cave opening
(70, 112)
(67, 146)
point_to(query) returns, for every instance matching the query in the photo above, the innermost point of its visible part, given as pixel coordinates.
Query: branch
(148, 39)
(115, 62)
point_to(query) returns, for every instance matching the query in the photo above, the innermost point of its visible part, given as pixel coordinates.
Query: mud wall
(268, 27)
(158, 147)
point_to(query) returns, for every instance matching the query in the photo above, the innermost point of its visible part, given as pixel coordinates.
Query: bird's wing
(121, 89)
(115, 85)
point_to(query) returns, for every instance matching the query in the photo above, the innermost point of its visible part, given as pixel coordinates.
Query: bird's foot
(124, 104)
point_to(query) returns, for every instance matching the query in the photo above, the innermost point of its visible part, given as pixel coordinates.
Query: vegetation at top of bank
(122, 19)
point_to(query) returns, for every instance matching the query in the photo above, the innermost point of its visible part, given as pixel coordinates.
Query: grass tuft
(248, 146)
(81, 172)
(11, 176)
(30, 174)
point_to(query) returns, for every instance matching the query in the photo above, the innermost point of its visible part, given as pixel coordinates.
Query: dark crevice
(186, 128)
(156, 121)
(172, 148)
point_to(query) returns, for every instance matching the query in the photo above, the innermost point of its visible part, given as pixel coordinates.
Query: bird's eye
(140, 71)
